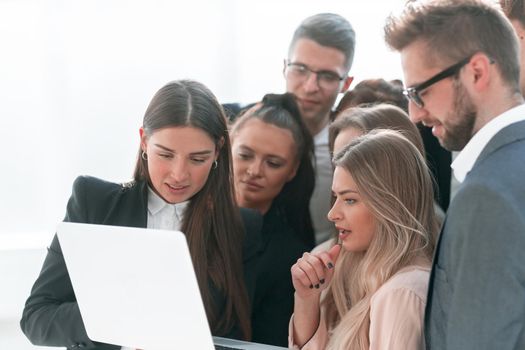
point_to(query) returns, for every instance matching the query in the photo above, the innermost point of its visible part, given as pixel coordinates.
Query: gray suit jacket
(476, 297)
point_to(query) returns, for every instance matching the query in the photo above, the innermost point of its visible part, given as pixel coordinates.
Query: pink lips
(343, 233)
(252, 185)
(177, 189)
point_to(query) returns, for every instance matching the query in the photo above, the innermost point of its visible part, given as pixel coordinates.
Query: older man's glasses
(413, 93)
(326, 80)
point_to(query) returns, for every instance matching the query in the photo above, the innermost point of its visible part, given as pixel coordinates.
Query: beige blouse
(396, 314)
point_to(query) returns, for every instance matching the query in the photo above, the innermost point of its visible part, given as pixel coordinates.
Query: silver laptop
(136, 287)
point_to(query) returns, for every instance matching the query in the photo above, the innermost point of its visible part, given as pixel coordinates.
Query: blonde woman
(369, 291)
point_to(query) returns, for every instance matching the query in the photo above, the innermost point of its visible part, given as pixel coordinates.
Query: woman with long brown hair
(182, 181)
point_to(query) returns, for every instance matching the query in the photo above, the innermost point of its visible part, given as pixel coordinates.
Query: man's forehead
(417, 63)
(317, 56)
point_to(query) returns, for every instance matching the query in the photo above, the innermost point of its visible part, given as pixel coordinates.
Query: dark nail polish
(311, 286)
(330, 265)
(321, 280)
(317, 286)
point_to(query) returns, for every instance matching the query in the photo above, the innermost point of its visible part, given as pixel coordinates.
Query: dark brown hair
(373, 91)
(514, 9)
(212, 221)
(282, 111)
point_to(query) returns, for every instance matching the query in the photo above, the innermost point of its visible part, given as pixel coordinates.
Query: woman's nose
(254, 169)
(179, 170)
(334, 214)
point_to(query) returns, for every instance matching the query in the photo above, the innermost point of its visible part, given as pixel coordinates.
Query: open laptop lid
(135, 287)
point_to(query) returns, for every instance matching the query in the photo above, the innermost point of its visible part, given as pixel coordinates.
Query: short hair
(328, 29)
(514, 10)
(452, 30)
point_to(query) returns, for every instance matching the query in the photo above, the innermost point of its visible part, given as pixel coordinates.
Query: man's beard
(459, 132)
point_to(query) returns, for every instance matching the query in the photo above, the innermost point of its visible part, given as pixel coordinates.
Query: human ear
(480, 70)
(346, 84)
(143, 139)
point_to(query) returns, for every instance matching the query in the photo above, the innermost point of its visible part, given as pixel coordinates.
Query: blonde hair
(394, 182)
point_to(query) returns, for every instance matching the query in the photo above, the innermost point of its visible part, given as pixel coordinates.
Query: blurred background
(76, 77)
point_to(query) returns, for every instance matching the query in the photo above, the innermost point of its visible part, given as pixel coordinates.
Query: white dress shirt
(163, 216)
(320, 201)
(470, 153)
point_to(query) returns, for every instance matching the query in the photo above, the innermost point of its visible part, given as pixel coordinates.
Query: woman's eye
(244, 155)
(165, 155)
(198, 160)
(350, 201)
(274, 164)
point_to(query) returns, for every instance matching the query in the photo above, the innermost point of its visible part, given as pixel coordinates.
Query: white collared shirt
(320, 203)
(163, 216)
(470, 153)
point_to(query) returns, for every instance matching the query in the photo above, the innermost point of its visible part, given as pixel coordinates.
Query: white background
(77, 76)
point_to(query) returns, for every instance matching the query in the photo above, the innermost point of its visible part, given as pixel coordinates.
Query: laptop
(136, 287)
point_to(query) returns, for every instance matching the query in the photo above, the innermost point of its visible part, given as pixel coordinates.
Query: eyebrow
(199, 153)
(345, 192)
(246, 148)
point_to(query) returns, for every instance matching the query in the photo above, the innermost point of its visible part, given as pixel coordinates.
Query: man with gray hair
(460, 61)
(316, 71)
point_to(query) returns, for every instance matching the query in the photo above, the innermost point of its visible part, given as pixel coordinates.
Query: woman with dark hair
(272, 162)
(182, 181)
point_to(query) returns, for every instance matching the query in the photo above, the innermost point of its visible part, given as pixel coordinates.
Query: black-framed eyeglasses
(413, 93)
(326, 79)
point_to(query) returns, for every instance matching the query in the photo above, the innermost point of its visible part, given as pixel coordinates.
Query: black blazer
(274, 294)
(51, 316)
(438, 160)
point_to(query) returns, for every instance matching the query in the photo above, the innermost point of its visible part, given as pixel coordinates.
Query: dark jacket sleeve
(51, 316)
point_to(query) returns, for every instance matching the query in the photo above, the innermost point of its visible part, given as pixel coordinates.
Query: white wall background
(76, 77)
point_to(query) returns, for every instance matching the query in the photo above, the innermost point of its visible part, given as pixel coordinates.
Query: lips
(343, 233)
(177, 187)
(252, 185)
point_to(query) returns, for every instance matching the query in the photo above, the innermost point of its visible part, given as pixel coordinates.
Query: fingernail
(330, 265)
(311, 286)
(317, 286)
(321, 280)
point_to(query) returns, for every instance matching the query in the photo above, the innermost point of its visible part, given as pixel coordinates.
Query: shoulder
(397, 310)
(411, 282)
(92, 199)
(90, 183)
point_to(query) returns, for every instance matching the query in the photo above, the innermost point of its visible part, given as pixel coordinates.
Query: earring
(214, 166)
(144, 155)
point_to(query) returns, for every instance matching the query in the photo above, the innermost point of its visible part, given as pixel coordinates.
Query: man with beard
(460, 61)
(316, 71)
